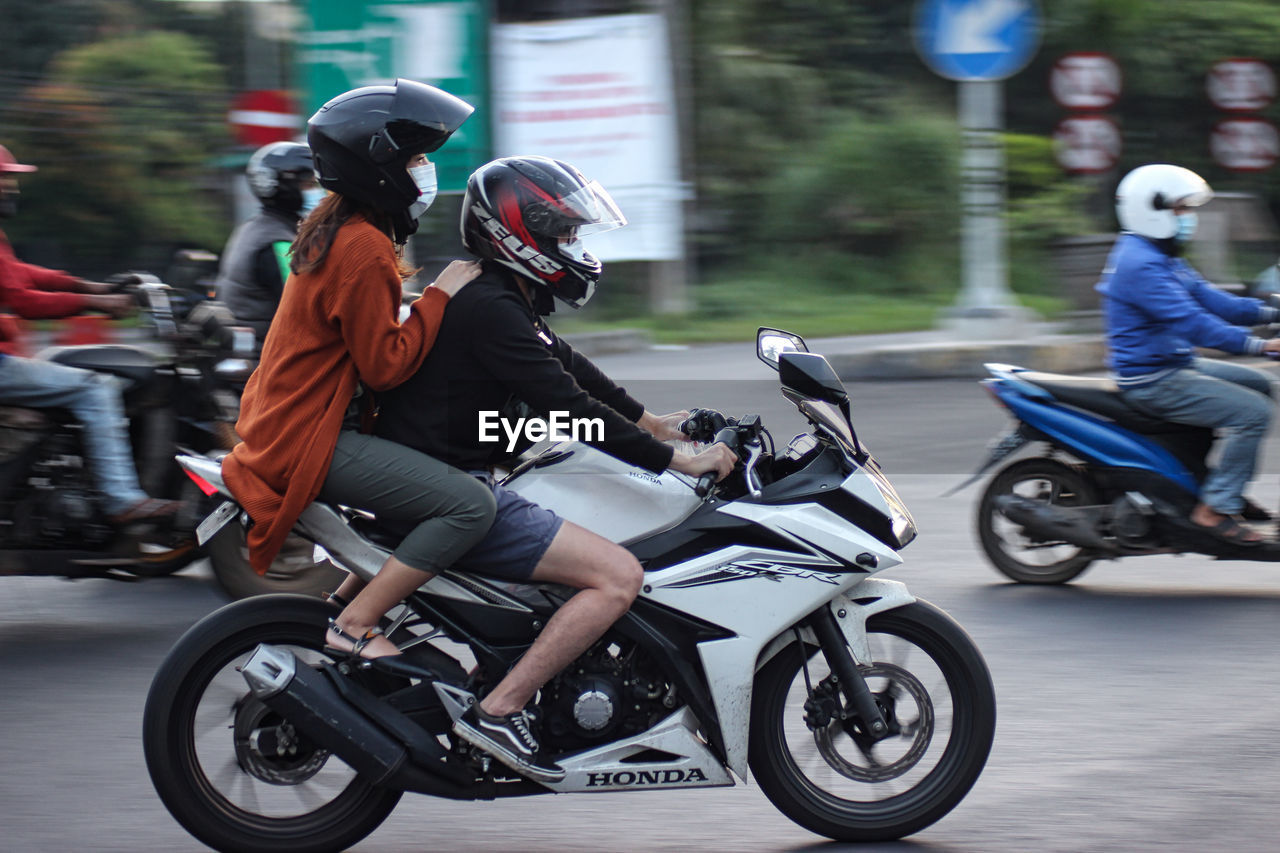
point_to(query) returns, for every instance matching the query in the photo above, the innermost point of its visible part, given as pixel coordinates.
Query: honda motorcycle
(52, 516)
(761, 642)
(1106, 481)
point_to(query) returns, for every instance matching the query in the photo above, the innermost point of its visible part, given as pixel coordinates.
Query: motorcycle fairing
(1098, 441)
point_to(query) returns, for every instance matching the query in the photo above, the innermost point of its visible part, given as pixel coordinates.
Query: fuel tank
(603, 494)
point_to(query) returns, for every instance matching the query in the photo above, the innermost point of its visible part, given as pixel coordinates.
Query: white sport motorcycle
(760, 642)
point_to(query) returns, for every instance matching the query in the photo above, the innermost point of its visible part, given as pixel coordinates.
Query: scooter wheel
(1025, 558)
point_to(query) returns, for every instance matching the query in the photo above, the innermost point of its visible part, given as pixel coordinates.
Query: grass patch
(732, 310)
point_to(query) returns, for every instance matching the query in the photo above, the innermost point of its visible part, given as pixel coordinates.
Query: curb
(612, 342)
(965, 360)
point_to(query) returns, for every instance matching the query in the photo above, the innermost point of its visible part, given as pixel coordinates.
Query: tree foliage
(123, 130)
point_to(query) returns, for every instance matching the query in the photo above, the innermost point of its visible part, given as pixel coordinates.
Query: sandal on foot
(1232, 532)
(357, 643)
(390, 664)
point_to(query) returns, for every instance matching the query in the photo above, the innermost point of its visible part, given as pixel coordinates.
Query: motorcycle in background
(52, 520)
(1105, 481)
(761, 641)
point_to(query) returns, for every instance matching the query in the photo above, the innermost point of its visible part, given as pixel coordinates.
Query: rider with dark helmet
(255, 262)
(526, 217)
(337, 325)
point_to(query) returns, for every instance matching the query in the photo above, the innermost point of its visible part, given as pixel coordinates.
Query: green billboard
(352, 43)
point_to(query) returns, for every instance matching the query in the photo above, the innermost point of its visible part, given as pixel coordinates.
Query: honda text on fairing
(1106, 481)
(760, 642)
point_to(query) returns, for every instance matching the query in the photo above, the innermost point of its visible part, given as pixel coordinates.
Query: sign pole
(985, 306)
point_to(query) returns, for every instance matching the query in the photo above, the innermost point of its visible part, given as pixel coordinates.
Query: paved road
(1137, 706)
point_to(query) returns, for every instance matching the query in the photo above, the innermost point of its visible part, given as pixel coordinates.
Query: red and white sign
(1241, 85)
(1087, 144)
(264, 116)
(1085, 81)
(1245, 144)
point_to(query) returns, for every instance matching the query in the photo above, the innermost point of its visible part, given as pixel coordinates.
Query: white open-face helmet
(1147, 196)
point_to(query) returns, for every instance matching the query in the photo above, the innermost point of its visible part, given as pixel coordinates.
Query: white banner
(597, 93)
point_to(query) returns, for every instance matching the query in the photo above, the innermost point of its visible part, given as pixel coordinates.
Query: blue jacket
(1158, 308)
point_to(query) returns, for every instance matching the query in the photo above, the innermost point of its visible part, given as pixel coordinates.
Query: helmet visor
(587, 210)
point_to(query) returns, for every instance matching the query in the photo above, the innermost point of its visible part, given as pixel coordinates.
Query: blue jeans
(1231, 398)
(94, 398)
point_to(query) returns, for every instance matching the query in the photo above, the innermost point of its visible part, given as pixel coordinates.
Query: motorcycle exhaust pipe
(306, 698)
(1076, 525)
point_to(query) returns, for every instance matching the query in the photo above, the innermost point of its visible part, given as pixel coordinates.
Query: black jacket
(492, 350)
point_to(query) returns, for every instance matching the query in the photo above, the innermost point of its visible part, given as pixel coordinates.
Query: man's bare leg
(608, 576)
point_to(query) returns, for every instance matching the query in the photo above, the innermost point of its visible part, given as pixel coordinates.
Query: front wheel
(208, 741)
(934, 690)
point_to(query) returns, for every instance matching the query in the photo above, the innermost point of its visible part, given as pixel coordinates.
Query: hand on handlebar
(1271, 347)
(664, 427)
(115, 304)
(717, 459)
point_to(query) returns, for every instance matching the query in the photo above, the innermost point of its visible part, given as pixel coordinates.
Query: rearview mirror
(772, 343)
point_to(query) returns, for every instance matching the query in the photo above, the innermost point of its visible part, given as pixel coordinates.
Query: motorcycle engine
(1130, 521)
(57, 505)
(604, 695)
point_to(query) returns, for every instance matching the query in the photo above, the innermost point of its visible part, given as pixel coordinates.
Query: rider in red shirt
(36, 293)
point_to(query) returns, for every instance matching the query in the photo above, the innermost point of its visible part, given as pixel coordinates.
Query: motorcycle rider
(255, 261)
(337, 326)
(34, 292)
(525, 217)
(1157, 308)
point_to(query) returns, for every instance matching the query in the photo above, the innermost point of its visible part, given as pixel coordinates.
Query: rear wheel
(934, 691)
(231, 771)
(294, 569)
(1028, 558)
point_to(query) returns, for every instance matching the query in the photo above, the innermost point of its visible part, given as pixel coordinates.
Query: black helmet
(362, 141)
(275, 174)
(517, 209)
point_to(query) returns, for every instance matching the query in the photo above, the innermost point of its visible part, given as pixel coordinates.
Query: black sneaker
(509, 739)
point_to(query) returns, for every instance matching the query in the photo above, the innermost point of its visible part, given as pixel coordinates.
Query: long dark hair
(316, 234)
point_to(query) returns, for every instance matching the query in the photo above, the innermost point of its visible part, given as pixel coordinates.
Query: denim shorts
(521, 533)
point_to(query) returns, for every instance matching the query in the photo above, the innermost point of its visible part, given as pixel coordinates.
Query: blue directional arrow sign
(977, 39)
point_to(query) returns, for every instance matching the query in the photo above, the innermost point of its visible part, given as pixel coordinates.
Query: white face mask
(424, 177)
(310, 198)
(1186, 226)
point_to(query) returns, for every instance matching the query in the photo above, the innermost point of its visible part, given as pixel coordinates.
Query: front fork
(851, 683)
(841, 630)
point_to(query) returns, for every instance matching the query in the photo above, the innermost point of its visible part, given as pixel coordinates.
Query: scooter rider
(255, 262)
(1157, 309)
(525, 217)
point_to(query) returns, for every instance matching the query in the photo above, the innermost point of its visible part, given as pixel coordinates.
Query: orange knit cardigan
(335, 326)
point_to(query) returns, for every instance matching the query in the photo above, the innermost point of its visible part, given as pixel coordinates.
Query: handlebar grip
(729, 437)
(705, 482)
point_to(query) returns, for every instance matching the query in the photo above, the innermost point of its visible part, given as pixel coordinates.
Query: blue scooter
(1108, 482)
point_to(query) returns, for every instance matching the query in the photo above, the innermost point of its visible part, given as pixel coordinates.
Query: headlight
(901, 524)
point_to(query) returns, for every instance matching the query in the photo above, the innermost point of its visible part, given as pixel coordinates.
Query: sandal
(1232, 532)
(391, 664)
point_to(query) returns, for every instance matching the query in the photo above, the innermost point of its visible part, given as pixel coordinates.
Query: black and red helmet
(530, 213)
